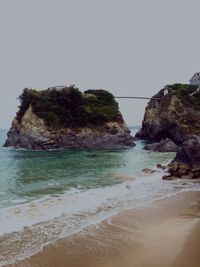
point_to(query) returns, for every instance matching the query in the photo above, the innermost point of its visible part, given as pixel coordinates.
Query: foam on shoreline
(44, 221)
(150, 236)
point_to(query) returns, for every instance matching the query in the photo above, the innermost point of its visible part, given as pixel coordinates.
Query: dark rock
(195, 172)
(32, 133)
(159, 166)
(190, 151)
(165, 145)
(175, 116)
(172, 116)
(189, 176)
(172, 167)
(180, 169)
(169, 177)
(147, 170)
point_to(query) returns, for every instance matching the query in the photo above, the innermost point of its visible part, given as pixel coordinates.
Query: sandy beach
(99, 133)
(164, 234)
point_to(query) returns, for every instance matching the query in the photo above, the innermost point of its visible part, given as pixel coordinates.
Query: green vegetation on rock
(68, 107)
(187, 93)
(175, 115)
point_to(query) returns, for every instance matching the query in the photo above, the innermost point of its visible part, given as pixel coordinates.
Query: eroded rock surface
(32, 132)
(175, 116)
(172, 124)
(165, 145)
(186, 164)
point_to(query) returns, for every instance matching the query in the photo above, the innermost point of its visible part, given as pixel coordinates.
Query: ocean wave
(45, 220)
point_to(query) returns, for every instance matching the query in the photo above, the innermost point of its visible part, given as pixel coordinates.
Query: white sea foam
(77, 201)
(42, 221)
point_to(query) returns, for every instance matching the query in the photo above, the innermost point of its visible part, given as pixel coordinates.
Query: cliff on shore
(175, 116)
(62, 118)
(172, 123)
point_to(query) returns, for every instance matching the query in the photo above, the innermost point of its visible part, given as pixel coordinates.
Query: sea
(48, 195)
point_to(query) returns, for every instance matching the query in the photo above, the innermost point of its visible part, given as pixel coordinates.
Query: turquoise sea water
(51, 194)
(27, 175)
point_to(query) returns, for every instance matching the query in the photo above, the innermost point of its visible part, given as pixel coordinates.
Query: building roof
(196, 74)
(58, 86)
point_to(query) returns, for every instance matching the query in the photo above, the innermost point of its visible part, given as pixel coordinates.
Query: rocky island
(172, 124)
(67, 118)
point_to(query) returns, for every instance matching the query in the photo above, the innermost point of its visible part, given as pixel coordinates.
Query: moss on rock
(187, 94)
(68, 107)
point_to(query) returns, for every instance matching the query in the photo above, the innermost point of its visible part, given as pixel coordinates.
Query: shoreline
(152, 236)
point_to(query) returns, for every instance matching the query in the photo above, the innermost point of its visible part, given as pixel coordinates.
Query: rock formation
(175, 116)
(165, 145)
(186, 164)
(66, 118)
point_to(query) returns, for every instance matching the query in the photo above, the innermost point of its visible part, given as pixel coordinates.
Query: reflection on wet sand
(145, 237)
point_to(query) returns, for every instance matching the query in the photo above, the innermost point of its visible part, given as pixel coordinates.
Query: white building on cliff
(195, 80)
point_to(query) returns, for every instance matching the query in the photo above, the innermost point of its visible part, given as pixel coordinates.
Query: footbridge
(139, 97)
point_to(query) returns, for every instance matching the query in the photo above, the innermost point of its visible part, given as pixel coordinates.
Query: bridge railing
(138, 97)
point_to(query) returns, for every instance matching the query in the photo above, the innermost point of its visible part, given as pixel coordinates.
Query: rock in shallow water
(147, 170)
(190, 151)
(32, 131)
(186, 164)
(175, 115)
(165, 145)
(33, 134)
(160, 166)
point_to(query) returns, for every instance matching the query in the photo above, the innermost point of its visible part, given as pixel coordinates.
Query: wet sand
(190, 255)
(164, 234)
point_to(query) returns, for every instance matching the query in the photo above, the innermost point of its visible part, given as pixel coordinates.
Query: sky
(129, 47)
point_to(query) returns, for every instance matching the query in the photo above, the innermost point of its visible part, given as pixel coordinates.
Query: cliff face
(31, 130)
(175, 116)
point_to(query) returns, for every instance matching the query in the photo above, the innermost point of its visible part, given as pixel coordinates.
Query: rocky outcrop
(176, 115)
(182, 171)
(147, 170)
(190, 151)
(165, 145)
(186, 164)
(33, 133)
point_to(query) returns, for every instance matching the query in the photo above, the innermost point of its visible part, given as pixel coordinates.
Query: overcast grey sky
(130, 47)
